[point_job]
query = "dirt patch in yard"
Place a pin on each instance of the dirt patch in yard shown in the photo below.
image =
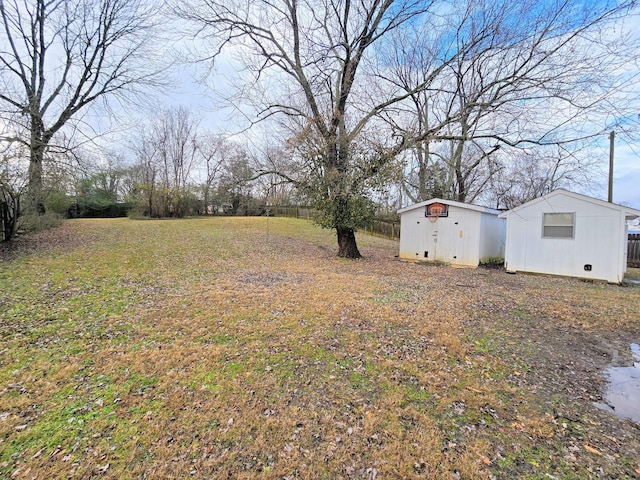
(62, 238)
(562, 349)
(556, 337)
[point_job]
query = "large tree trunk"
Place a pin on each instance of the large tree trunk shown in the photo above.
(36, 197)
(461, 195)
(206, 201)
(348, 248)
(422, 174)
(38, 142)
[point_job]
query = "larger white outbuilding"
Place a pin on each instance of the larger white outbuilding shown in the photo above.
(568, 234)
(451, 232)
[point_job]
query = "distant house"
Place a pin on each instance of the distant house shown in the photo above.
(451, 232)
(568, 234)
(220, 209)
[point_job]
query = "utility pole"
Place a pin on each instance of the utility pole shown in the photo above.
(612, 137)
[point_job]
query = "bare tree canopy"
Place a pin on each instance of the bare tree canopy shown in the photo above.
(546, 77)
(58, 57)
(476, 74)
(166, 156)
(315, 51)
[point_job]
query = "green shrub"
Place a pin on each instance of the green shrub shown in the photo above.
(57, 202)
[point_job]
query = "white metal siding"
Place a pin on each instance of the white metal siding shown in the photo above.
(492, 237)
(455, 239)
(625, 247)
(596, 242)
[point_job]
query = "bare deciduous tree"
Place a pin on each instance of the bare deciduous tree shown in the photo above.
(315, 51)
(58, 57)
(176, 135)
(144, 173)
(326, 65)
(215, 152)
(540, 70)
(12, 184)
(166, 154)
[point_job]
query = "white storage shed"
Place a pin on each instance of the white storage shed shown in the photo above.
(452, 232)
(568, 234)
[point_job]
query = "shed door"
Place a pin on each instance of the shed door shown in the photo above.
(445, 240)
(437, 240)
(421, 242)
(431, 241)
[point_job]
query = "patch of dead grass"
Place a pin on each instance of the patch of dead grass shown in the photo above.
(224, 347)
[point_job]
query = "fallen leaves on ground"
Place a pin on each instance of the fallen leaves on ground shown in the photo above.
(226, 347)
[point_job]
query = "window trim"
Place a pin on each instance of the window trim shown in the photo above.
(560, 237)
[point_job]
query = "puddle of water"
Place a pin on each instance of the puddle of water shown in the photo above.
(623, 393)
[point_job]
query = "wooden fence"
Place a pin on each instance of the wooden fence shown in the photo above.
(292, 211)
(379, 228)
(384, 228)
(633, 250)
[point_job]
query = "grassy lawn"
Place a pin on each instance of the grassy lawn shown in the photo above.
(244, 348)
(632, 274)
